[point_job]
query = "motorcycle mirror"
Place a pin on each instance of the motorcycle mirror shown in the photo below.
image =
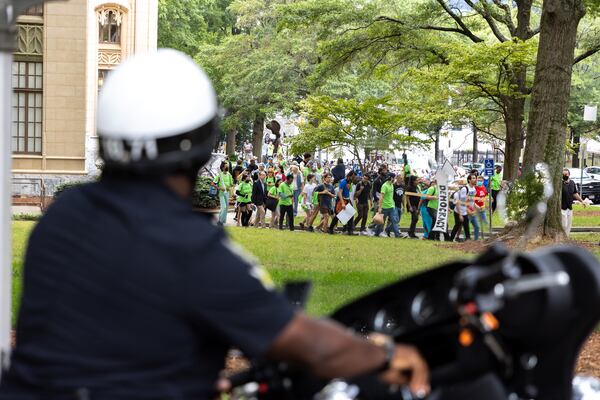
(297, 292)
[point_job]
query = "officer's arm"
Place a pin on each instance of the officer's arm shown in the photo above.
(330, 351)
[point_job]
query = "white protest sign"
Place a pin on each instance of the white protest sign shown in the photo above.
(346, 214)
(442, 176)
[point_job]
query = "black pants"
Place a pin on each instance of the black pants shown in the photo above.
(457, 225)
(435, 235)
(414, 218)
(289, 210)
(349, 227)
(363, 215)
(246, 214)
(494, 202)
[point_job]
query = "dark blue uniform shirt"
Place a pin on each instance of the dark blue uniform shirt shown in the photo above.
(130, 295)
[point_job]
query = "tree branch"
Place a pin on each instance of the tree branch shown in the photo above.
(586, 54)
(532, 33)
(485, 13)
(465, 30)
(508, 21)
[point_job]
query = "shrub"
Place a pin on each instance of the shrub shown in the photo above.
(65, 186)
(523, 194)
(26, 217)
(200, 197)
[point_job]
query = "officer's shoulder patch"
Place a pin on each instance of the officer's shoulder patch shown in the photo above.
(255, 269)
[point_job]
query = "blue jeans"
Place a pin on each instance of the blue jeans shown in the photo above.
(296, 195)
(392, 214)
(224, 203)
(484, 221)
(388, 228)
(474, 219)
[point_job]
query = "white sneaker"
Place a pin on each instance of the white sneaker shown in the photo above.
(383, 234)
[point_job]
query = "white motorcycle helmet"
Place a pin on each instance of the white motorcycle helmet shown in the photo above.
(157, 114)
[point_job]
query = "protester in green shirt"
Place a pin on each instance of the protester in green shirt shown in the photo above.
(496, 185)
(388, 207)
(224, 182)
(271, 179)
(244, 198)
(286, 197)
(407, 172)
(272, 203)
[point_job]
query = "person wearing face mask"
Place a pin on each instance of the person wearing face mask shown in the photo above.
(569, 192)
(224, 182)
(244, 193)
(480, 195)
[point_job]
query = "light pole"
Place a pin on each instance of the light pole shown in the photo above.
(9, 11)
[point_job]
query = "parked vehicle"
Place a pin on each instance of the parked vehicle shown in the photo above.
(471, 166)
(593, 171)
(588, 187)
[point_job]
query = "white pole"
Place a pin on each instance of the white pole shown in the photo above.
(5, 209)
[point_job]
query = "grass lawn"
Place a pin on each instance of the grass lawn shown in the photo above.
(584, 217)
(340, 267)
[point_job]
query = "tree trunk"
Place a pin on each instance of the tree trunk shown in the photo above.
(230, 147)
(547, 128)
(515, 106)
(258, 127)
(514, 137)
(475, 149)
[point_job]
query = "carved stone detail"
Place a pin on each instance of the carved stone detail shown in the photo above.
(30, 39)
(109, 57)
(105, 10)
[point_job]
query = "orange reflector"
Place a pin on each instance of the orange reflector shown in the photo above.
(490, 321)
(465, 338)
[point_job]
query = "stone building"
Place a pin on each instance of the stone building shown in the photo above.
(64, 52)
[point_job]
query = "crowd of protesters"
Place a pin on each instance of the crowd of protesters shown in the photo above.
(280, 188)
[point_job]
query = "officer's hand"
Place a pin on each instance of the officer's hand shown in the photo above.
(407, 359)
(223, 385)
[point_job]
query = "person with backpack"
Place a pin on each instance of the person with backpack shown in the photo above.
(412, 205)
(472, 207)
(326, 193)
(387, 207)
(461, 218)
(363, 194)
(343, 199)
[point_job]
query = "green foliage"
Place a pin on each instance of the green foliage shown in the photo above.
(65, 186)
(200, 197)
(26, 217)
(524, 193)
(363, 126)
(187, 25)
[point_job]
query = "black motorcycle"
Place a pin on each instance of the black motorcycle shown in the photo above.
(506, 326)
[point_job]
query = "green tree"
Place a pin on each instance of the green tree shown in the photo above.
(187, 25)
(263, 70)
(364, 127)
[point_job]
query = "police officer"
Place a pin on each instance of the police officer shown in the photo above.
(128, 294)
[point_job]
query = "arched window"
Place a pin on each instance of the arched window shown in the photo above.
(109, 25)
